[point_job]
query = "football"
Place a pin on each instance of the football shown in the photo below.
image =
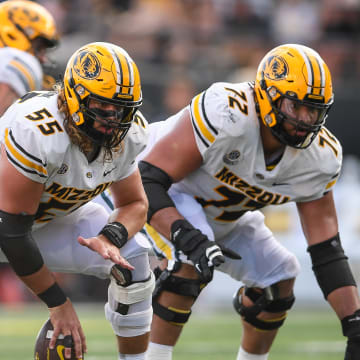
(42, 351)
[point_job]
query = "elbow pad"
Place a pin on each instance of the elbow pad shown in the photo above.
(156, 183)
(17, 243)
(330, 265)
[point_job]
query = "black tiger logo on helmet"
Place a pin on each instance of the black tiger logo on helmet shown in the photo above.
(276, 68)
(87, 65)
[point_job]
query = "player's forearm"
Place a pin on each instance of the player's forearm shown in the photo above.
(163, 219)
(39, 281)
(132, 216)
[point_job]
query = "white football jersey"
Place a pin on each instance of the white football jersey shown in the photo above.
(234, 178)
(37, 144)
(20, 70)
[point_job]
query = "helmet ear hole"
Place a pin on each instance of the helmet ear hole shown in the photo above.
(71, 79)
(263, 84)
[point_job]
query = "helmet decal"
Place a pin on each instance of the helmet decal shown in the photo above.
(19, 15)
(87, 65)
(276, 68)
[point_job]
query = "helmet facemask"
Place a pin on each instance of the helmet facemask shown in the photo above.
(297, 139)
(114, 123)
(40, 48)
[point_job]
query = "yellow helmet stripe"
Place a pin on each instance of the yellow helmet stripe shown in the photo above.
(15, 149)
(136, 89)
(30, 83)
(123, 71)
(315, 70)
(317, 74)
(309, 69)
(131, 76)
(162, 245)
(118, 67)
(199, 117)
(320, 64)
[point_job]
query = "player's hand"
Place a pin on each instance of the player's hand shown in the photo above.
(204, 254)
(66, 322)
(353, 348)
(205, 257)
(106, 249)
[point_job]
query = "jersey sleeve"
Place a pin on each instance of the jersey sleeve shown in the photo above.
(135, 143)
(220, 113)
(327, 156)
(208, 111)
(20, 70)
(25, 151)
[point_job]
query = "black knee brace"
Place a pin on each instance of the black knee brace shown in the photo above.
(268, 300)
(165, 280)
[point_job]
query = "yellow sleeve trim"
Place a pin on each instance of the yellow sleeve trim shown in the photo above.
(20, 157)
(25, 72)
(160, 243)
(200, 122)
(330, 184)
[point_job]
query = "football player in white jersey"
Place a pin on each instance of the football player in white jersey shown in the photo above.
(208, 169)
(27, 30)
(60, 149)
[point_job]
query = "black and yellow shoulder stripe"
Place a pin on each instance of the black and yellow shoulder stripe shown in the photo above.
(202, 125)
(21, 158)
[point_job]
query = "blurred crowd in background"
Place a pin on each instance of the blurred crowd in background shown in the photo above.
(182, 46)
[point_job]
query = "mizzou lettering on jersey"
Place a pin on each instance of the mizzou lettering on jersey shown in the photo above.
(253, 192)
(65, 199)
(249, 197)
(73, 194)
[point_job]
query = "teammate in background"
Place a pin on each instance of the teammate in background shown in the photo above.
(27, 30)
(60, 149)
(209, 169)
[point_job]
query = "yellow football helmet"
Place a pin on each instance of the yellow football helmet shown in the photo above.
(298, 73)
(23, 22)
(105, 73)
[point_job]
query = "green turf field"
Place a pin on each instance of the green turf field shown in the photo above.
(308, 334)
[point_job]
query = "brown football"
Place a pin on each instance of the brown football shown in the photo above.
(42, 351)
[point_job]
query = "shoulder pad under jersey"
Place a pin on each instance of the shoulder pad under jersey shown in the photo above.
(222, 110)
(20, 70)
(33, 134)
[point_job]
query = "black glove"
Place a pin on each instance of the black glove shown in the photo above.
(205, 254)
(229, 253)
(351, 329)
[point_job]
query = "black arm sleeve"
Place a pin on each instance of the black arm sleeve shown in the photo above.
(17, 243)
(156, 183)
